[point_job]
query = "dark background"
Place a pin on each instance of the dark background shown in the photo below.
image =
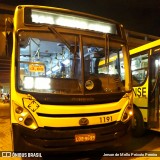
(136, 15)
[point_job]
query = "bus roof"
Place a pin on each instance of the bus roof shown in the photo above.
(145, 47)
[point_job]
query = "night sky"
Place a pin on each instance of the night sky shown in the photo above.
(136, 15)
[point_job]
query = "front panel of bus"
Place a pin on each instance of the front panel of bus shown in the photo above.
(70, 87)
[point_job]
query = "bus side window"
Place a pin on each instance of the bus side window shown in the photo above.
(139, 66)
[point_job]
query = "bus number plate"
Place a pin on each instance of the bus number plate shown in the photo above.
(85, 137)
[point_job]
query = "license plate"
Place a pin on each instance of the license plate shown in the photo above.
(85, 137)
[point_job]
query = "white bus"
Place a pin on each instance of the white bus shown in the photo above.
(145, 65)
(61, 100)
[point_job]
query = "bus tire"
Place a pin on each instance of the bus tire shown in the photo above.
(138, 128)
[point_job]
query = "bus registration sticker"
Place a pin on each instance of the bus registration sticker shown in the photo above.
(36, 68)
(85, 137)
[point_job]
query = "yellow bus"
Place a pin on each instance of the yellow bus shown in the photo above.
(61, 100)
(145, 65)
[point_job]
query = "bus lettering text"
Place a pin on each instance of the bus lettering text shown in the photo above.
(140, 92)
(105, 119)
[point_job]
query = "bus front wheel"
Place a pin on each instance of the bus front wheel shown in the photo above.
(138, 127)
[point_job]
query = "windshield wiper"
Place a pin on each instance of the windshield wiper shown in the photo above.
(107, 50)
(53, 30)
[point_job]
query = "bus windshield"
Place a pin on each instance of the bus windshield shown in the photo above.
(87, 66)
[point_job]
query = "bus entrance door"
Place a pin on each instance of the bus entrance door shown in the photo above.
(154, 94)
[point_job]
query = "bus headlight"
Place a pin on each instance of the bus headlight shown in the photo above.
(128, 112)
(24, 117)
(28, 121)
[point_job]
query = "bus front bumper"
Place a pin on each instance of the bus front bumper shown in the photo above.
(63, 139)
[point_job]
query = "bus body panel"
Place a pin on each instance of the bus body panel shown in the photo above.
(55, 116)
(140, 99)
(146, 95)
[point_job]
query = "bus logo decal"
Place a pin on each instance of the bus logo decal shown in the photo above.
(83, 122)
(33, 106)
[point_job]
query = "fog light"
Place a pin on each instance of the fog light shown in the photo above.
(19, 110)
(20, 119)
(28, 121)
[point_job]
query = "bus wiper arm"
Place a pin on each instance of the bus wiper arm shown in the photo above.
(107, 49)
(53, 30)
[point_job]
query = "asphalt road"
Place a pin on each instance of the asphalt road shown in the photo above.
(146, 147)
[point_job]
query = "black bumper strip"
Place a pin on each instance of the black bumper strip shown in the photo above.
(77, 115)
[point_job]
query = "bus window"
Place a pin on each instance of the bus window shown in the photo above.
(139, 66)
(113, 65)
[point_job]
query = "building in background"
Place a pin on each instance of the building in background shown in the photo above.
(6, 11)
